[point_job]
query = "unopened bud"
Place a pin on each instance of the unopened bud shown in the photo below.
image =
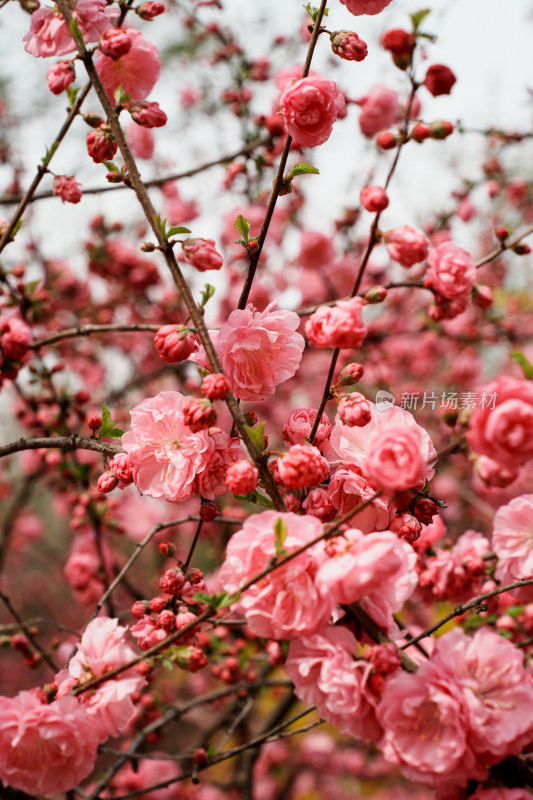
(440, 129)
(376, 294)
(386, 140)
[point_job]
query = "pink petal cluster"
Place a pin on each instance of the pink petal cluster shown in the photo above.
(374, 198)
(202, 254)
(241, 477)
(299, 424)
(348, 45)
(456, 574)
(174, 343)
(354, 409)
(348, 489)
(338, 326)
(60, 76)
(258, 350)
(147, 115)
(512, 540)
(49, 34)
(310, 106)
(451, 271)
(137, 71)
(378, 570)
(45, 748)
(316, 250)
(102, 648)
(466, 708)
(167, 457)
(504, 432)
(303, 466)
(407, 245)
(379, 110)
(325, 674)
(226, 451)
(67, 188)
(359, 7)
(286, 603)
(15, 339)
(396, 459)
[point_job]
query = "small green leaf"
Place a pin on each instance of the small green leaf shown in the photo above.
(266, 502)
(167, 664)
(45, 160)
(280, 532)
(257, 435)
(207, 293)
(76, 34)
(418, 17)
(243, 226)
(107, 428)
(121, 97)
(523, 362)
(161, 225)
(430, 36)
(302, 169)
(16, 229)
(111, 167)
(313, 11)
(216, 601)
(176, 230)
(72, 94)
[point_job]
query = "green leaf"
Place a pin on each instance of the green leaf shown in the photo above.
(16, 229)
(167, 664)
(243, 226)
(264, 501)
(216, 601)
(523, 362)
(176, 230)
(313, 11)
(74, 29)
(280, 532)
(161, 225)
(302, 169)
(121, 97)
(207, 293)
(257, 435)
(418, 17)
(107, 428)
(45, 160)
(430, 36)
(72, 94)
(110, 166)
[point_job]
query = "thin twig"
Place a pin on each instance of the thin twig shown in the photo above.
(67, 443)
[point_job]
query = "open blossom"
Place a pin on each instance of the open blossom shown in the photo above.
(456, 574)
(310, 106)
(396, 460)
(512, 539)
(377, 569)
(227, 450)
(451, 271)
(325, 674)
(166, 456)
(285, 604)
(348, 489)
(102, 648)
(359, 7)
(49, 34)
(45, 748)
(138, 70)
(303, 466)
(379, 110)
(258, 350)
(501, 427)
(202, 254)
(337, 326)
(407, 245)
(67, 188)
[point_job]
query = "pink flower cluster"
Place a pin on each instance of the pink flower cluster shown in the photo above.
(171, 461)
(49, 34)
(137, 70)
(338, 326)
(310, 107)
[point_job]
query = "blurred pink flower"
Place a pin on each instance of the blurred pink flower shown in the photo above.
(137, 71)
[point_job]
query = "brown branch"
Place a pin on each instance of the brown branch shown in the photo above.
(66, 443)
(29, 635)
(88, 330)
(503, 247)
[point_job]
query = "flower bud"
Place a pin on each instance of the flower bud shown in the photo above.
(439, 80)
(420, 132)
(374, 198)
(440, 129)
(60, 76)
(348, 45)
(215, 386)
(386, 140)
(147, 114)
(115, 42)
(150, 9)
(376, 294)
(208, 512)
(241, 477)
(351, 374)
(174, 343)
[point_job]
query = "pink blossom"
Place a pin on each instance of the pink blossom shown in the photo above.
(317, 504)
(359, 7)
(137, 71)
(227, 450)
(199, 414)
(141, 141)
(148, 633)
(67, 188)
(316, 250)
(147, 115)
(348, 489)
(284, 604)
(451, 272)
(396, 460)
(325, 674)
(174, 343)
(458, 573)
(348, 45)
(150, 9)
(106, 482)
(299, 424)
(101, 145)
(60, 76)
(406, 526)
(241, 477)
(494, 475)
(354, 409)
(49, 34)
(258, 350)
(338, 326)
(379, 110)
(303, 466)
(101, 649)
(45, 748)
(504, 432)
(166, 456)
(15, 339)
(512, 539)
(147, 772)
(407, 245)
(377, 569)
(215, 386)
(202, 254)
(310, 106)
(115, 43)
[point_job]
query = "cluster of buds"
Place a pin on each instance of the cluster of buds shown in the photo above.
(15, 340)
(67, 188)
(120, 473)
